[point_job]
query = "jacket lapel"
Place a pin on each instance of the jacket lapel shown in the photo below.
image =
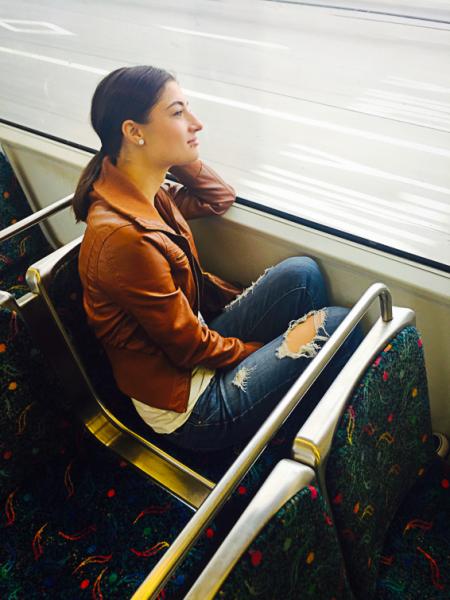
(126, 199)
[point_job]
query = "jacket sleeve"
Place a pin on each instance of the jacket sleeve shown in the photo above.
(201, 192)
(137, 276)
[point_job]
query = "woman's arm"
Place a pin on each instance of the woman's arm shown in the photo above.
(137, 276)
(201, 192)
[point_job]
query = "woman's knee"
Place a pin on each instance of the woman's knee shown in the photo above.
(300, 268)
(304, 336)
(335, 316)
(304, 272)
(300, 263)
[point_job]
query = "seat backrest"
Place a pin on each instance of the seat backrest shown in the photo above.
(65, 292)
(61, 329)
(381, 446)
(18, 252)
(284, 545)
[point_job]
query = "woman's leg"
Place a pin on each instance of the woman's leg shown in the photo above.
(285, 292)
(237, 401)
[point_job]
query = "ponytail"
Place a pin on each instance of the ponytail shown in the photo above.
(81, 200)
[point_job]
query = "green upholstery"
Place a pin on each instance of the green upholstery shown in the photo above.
(296, 555)
(381, 448)
(16, 254)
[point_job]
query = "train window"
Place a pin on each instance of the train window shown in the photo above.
(332, 113)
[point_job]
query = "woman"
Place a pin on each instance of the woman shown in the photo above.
(200, 372)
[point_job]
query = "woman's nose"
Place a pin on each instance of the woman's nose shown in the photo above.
(196, 125)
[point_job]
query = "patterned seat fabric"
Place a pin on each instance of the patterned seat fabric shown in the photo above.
(17, 253)
(296, 555)
(381, 447)
(416, 556)
(77, 522)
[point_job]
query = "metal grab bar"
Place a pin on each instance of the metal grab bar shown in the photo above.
(151, 586)
(35, 218)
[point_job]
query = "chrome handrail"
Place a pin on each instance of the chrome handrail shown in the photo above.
(152, 584)
(283, 483)
(35, 218)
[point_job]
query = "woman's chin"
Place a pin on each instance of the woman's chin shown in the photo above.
(192, 156)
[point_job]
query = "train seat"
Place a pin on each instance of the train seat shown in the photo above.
(78, 521)
(61, 328)
(284, 545)
(371, 444)
(17, 253)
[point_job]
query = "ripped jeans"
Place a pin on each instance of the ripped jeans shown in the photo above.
(239, 399)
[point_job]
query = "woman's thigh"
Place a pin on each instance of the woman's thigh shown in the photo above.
(238, 400)
(287, 291)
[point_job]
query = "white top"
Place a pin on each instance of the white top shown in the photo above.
(167, 421)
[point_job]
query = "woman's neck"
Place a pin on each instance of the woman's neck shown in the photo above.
(147, 179)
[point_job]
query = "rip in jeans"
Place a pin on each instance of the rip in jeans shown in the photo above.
(241, 377)
(310, 349)
(247, 290)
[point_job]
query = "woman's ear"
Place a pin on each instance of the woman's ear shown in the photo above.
(131, 132)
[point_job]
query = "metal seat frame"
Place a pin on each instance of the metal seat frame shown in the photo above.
(312, 444)
(166, 470)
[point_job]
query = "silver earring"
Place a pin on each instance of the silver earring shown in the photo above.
(141, 142)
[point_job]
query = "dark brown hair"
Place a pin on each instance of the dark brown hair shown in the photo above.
(126, 93)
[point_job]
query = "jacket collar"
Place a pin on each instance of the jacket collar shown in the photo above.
(125, 198)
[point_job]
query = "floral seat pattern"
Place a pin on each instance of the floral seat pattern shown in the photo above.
(296, 555)
(382, 446)
(17, 253)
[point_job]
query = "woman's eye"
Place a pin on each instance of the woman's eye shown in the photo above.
(178, 113)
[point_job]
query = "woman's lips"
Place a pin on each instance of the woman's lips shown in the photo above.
(193, 142)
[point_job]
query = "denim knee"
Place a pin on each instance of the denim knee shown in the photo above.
(335, 316)
(304, 272)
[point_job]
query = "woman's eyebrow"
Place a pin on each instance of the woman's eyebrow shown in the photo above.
(177, 102)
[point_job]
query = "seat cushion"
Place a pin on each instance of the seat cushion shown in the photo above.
(416, 556)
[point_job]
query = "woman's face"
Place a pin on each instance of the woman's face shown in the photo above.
(170, 136)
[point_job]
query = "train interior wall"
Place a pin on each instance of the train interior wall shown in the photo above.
(240, 245)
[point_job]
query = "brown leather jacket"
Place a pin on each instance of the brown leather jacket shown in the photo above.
(143, 283)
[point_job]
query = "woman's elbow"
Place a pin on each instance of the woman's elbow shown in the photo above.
(226, 201)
